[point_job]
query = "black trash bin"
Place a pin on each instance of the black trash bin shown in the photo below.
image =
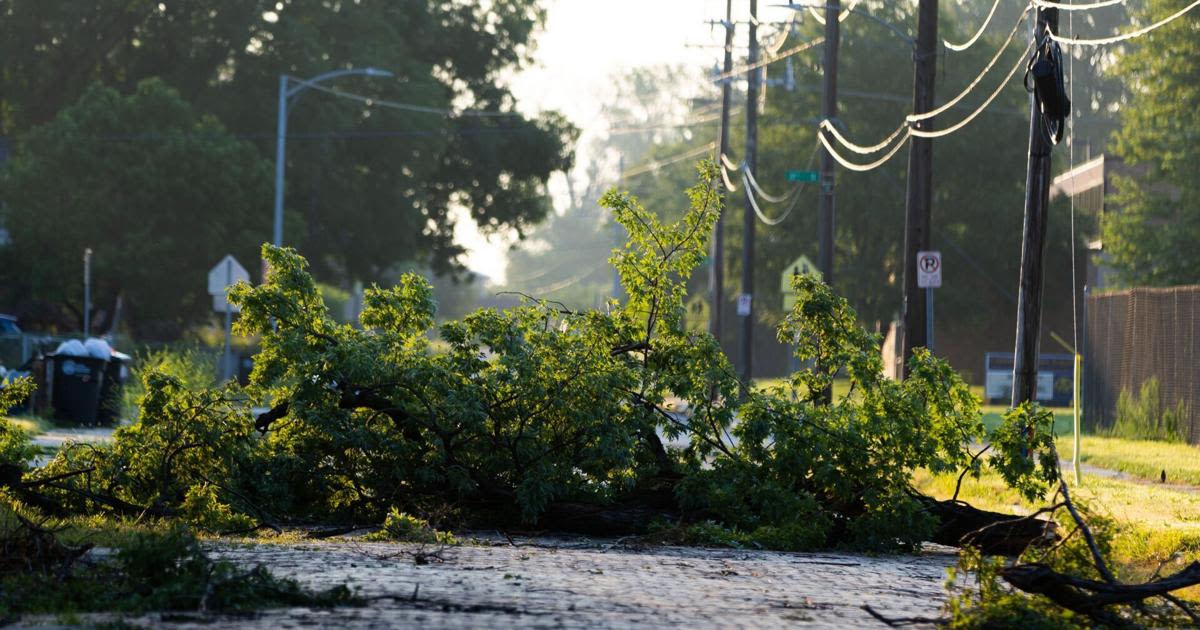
(75, 384)
(116, 373)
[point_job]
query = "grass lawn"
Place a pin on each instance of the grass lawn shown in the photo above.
(30, 424)
(841, 386)
(1139, 458)
(1155, 523)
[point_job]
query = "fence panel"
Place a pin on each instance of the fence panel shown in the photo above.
(1134, 335)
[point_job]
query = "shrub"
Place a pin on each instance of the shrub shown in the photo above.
(1143, 416)
(401, 527)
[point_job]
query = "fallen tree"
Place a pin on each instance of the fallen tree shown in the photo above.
(540, 417)
(543, 417)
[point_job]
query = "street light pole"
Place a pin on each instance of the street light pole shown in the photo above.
(280, 142)
(286, 92)
(87, 292)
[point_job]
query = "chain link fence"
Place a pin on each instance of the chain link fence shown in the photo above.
(1134, 335)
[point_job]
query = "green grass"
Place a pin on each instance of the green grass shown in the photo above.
(1156, 523)
(1144, 459)
(1063, 419)
(841, 386)
(30, 424)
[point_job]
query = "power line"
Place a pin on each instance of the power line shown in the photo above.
(982, 28)
(748, 177)
(1076, 7)
(841, 16)
(979, 77)
(1071, 41)
(964, 122)
(657, 164)
(408, 107)
(769, 60)
(758, 211)
(860, 168)
(906, 125)
(860, 149)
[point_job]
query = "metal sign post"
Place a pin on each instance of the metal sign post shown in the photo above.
(929, 277)
(227, 273)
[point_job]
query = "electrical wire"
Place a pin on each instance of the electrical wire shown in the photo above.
(841, 16)
(681, 125)
(979, 77)
(785, 29)
(769, 60)
(796, 193)
(861, 167)
(748, 177)
(979, 110)
(726, 166)
(913, 118)
(982, 28)
(729, 185)
(1076, 7)
(1071, 41)
(657, 164)
(857, 148)
(409, 107)
(758, 211)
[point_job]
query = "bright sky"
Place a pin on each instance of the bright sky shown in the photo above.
(585, 42)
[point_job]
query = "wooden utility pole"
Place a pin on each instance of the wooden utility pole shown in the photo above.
(746, 300)
(718, 255)
(1033, 239)
(919, 197)
(828, 112)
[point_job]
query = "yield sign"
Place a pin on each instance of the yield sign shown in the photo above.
(227, 273)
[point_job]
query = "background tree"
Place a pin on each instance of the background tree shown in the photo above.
(566, 258)
(158, 191)
(1151, 239)
(979, 177)
(368, 186)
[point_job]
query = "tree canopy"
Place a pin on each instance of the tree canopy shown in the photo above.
(1150, 238)
(367, 185)
(119, 174)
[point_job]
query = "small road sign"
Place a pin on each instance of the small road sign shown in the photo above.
(929, 270)
(803, 176)
(227, 273)
(743, 304)
(800, 266)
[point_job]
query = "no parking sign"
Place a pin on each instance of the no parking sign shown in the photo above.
(929, 270)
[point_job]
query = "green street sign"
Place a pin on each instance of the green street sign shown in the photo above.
(803, 176)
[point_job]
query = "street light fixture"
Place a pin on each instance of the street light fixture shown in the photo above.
(288, 91)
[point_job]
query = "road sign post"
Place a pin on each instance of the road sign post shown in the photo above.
(929, 277)
(224, 275)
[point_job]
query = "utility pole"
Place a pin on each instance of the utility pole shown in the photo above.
(746, 300)
(828, 112)
(718, 255)
(87, 292)
(919, 196)
(1033, 239)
